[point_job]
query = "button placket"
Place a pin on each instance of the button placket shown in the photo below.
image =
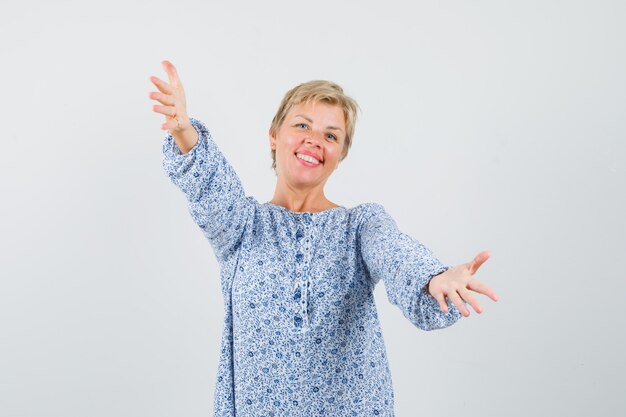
(304, 239)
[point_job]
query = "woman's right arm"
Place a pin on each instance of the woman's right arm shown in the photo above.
(215, 196)
(194, 163)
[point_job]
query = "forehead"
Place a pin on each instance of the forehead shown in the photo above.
(319, 112)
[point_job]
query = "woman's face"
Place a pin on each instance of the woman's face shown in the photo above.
(310, 130)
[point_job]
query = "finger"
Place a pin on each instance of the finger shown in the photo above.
(170, 124)
(482, 288)
(162, 98)
(441, 299)
(171, 73)
(458, 302)
(166, 110)
(478, 261)
(468, 297)
(162, 85)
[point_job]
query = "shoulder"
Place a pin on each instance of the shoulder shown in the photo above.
(370, 209)
(368, 212)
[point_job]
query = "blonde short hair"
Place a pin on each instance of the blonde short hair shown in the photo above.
(318, 91)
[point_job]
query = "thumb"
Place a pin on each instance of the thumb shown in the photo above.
(478, 261)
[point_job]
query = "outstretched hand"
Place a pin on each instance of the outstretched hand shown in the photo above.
(172, 96)
(456, 284)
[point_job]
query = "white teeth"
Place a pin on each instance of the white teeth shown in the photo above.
(308, 158)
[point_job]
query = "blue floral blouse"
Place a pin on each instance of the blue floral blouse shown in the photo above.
(301, 334)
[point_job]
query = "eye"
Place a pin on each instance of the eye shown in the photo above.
(331, 136)
(302, 124)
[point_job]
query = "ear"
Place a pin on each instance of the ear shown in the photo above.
(272, 139)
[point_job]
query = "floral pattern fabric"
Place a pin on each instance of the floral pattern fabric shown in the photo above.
(301, 335)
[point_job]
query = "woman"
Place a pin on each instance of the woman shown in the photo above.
(301, 335)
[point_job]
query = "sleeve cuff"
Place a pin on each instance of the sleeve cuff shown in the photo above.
(171, 149)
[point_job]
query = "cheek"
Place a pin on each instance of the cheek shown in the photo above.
(333, 153)
(290, 143)
(286, 151)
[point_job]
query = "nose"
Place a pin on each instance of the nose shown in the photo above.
(314, 138)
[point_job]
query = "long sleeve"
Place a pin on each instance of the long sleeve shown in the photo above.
(215, 196)
(405, 266)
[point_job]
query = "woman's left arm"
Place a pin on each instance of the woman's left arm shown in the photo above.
(415, 280)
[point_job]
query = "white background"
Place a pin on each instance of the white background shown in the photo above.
(485, 125)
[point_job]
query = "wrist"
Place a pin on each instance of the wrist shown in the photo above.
(186, 138)
(430, 281)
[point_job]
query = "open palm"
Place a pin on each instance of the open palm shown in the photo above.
(457, 283)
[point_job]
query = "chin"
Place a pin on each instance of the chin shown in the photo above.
(306, 180)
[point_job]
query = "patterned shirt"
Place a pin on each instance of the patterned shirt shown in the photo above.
(301, 334)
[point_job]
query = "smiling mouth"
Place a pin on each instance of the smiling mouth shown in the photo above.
(308, 159)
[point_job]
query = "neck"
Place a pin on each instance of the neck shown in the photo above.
(300, 200)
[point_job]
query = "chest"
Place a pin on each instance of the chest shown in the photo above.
(291, 276)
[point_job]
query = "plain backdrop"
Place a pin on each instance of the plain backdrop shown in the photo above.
(485, 125)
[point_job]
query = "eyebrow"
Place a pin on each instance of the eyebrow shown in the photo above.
(311, 121)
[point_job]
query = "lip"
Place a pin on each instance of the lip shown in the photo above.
(306, 163)
(311, 154)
